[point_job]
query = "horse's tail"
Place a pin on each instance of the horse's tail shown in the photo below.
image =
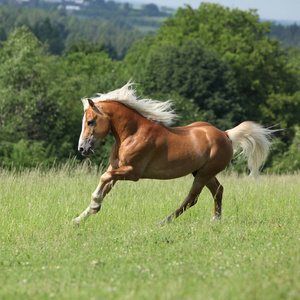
(255, 141)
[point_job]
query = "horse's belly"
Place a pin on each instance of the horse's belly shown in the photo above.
(166, 168)
(164, 174)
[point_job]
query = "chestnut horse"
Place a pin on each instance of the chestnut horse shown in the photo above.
(145, 147)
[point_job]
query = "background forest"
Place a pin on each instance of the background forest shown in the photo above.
(219, 65)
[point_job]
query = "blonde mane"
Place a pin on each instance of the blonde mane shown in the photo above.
(156, 111)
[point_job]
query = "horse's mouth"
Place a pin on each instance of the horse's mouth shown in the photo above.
(87, 152)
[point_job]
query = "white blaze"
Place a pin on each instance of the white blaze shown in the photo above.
(82, 129)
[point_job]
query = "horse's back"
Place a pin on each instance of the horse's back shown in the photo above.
(183, 130)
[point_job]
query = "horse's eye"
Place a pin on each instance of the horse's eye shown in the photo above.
(90, 123)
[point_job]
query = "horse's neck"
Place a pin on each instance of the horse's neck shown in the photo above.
(124, 120)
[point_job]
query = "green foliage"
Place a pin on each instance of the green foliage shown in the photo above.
(85, 47)
(151, 10)
(288, 161)
(191, 71)
(259, 65)
(125, 14)
(93, 72)
(29, 106)
(288, 35)
(283, 109)
(39, 104)
(218, 65)
(47, 33)
(3, 35)
(60, 30)
(23, 86)
(26, 154)
(293, 59)
(117, 37)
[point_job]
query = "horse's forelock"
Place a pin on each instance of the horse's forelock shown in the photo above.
(85, 103)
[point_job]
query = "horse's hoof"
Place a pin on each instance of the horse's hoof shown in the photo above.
(216, 219)
(75, 222)
(162, 223)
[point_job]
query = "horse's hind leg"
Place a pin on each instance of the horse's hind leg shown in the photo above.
(190, 200)
(216, 190)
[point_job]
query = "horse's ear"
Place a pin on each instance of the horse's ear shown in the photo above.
(91, 103)
(94, 107)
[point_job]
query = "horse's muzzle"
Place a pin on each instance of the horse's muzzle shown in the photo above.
(86, 147)
(86, 152)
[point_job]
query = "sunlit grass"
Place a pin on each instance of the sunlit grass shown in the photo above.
(120, 253)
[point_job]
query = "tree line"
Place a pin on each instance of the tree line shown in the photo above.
(288, 35)
(59, 30)
(218, 65)
(146, 17)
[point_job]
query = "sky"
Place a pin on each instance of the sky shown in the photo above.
(267, 9)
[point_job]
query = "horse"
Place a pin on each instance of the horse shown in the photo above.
(147, 147)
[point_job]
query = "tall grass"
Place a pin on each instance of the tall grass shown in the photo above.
(120, 253)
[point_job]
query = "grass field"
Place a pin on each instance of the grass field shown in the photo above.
(120, 253)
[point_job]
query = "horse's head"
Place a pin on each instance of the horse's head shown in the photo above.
(95, 127)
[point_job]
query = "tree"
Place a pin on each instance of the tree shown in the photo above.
(28, 106)
(49, 34)
(287, 35)
(151, 10)
(259, 65)
(111, 5)
(3, 36)
(287, 160)
(59, 29)
(193, 72)
(85, 47)
(284, 108)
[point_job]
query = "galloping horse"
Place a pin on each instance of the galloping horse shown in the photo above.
(145, 147)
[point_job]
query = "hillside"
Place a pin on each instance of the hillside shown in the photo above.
(146, 18)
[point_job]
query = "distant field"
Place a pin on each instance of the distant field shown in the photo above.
(253, 253)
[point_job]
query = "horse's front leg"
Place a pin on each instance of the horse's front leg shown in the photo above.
(107, 180)
(103, 188)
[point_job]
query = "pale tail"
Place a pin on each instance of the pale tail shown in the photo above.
(255, 141)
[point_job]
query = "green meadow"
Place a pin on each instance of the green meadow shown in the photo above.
(120, 253)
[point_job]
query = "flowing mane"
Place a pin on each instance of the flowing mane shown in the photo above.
(156, 111)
